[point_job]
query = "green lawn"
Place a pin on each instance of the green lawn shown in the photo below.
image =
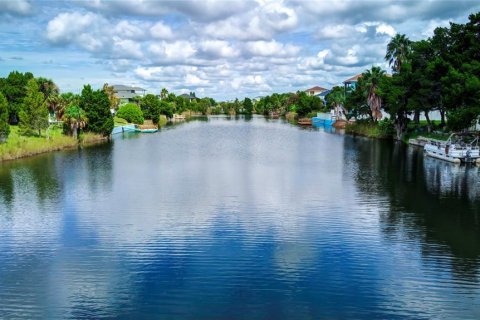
(18, 146)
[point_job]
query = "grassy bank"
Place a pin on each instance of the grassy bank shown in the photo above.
(381, 130)
(18, 146)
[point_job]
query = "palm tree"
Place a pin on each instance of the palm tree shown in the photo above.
(371, 79)
(336, 98)
(75, 118)
(163, 93)
(398, 50)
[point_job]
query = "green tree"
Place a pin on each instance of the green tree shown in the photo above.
(34, 112)
(150, 106)
(336, 99)
(14, 90)
(131, 112)
(372, 79)
(47, 87)
(398, 50)
(4, 127)
(97, 108)
(74, 120)
(248, 106)
(164, 93)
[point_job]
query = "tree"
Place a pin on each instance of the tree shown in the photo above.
(372, 79)
(336, 99)
(247, 106)
(34, 113)
(150, 106)
(97, 108)
(4, 127)
(131, 112)
(13, 89)
(47, 87)
(398, 50)
(112, 96)
(74, 119)
(163, 93)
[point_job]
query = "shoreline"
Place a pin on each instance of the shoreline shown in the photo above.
(53, 145)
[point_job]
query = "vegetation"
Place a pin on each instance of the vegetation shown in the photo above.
(97, 109)
(34, 113)
(74, 119)
(300, 103)
(132, 113)
(19, 146)
(441, 73)
(4, 127)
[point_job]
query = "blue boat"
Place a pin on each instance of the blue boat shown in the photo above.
(323, 119)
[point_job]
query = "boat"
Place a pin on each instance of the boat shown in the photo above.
(305, 122)
(146, 127)
(458, 148)
(323, 119)
(146, 130)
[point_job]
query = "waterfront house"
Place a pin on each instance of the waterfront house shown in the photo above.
(315, 91)
(127, 94)
(351, 83)
(190, 97)
(323, 94)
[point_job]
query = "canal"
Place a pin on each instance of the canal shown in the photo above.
(239, 219)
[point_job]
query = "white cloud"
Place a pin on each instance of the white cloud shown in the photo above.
(218, 49)
(271, 49)
(177, 51)
(161, 31)
(16, 7)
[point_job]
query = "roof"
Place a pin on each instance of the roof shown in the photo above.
(121, 87)
(354, 78)
(323, 94)
(187, 96)
(316, 88)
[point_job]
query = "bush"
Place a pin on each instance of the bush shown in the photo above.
(131, 112)
(386, 128)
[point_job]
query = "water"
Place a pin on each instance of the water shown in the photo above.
(236, 219)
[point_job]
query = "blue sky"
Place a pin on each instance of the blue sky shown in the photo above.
(223, 49)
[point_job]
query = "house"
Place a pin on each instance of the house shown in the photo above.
(127, 94)
(190, 97)
(351, 83)
(323, 94)
(315, 91)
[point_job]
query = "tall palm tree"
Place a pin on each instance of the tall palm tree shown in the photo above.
(398, 50)
(163, 93)
(371, 79)
(336, 98)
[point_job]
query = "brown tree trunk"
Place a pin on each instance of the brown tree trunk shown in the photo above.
(416, 117)
(429, 123)
(442, 118)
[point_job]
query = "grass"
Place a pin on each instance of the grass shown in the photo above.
(367, 129)
(18, 146)
(118, 122)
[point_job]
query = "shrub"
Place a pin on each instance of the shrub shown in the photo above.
(131, 112)
(386, 128)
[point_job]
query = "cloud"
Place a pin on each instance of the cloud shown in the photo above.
(207, 10)
(161, 31)
(271, 49)
(16, 7)
(259, 23)
(168, 52)
(218, 49)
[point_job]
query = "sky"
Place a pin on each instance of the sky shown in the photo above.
(221, 49)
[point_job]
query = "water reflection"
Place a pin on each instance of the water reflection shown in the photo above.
(435, 203)
(236, 219)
